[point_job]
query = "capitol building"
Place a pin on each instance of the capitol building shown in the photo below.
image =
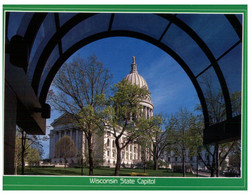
(104, 149)
(104, 146)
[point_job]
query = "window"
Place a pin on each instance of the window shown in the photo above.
(108, 142)
(169, 159)
(108, 153)
(113, 143)
(131, 148)
(148, 115)
(134, 117)
(135, 149)
(130, 156)
(176, 159)
(127, 156)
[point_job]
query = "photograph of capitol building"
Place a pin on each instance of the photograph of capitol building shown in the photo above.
(104, 145)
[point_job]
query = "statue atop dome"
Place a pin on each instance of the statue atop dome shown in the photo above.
(133, 77)
(134, 66)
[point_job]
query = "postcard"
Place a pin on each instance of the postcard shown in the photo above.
(125, 97)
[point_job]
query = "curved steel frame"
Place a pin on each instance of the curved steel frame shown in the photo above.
(51, 44)
(106, 34)
(60, 32)
(209, 55)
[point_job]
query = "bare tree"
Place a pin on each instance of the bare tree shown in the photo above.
(156, 139)
(65, 148)
(79, 89)
(217, 113)
(24, 143)
(182, 129)
(33, 157)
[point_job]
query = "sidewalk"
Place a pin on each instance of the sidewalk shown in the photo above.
(204, 174)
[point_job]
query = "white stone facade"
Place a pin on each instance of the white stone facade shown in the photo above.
(104, 146)
(58, 132)
(130, 155)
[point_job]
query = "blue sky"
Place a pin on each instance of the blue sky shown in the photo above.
(169, 85)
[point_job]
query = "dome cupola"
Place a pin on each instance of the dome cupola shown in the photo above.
(134, 78)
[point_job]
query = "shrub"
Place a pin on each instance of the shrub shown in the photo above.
(149, 164)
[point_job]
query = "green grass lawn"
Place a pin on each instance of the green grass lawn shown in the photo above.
(99, 172)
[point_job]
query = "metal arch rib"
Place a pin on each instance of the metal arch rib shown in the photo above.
(147, 38)
(209, 55)
(33, 27)
(235, 23)
(51, 44)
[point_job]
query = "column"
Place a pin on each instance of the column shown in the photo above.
(145, 112)
(58, 136)
(52, 137)
(80, 139)
(10, 114)
(148, 112)
(83, 144)
(139, 152)
(76, 139)
(71, 133)
(53, 143)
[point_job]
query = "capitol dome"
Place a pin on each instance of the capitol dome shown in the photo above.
(136, 79)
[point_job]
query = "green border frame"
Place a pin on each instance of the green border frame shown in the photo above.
(83, 183)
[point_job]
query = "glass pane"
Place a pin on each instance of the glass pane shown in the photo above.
(49, 63)
(95, 24)
(231, 66)
(210, 86)
(149, 24)
(64, 17)
(46, 31)
(186, 48)
(214, 29)
(239, 16)
(24, 23)
(15, 19)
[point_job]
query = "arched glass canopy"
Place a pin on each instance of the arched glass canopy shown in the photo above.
(204, 45)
